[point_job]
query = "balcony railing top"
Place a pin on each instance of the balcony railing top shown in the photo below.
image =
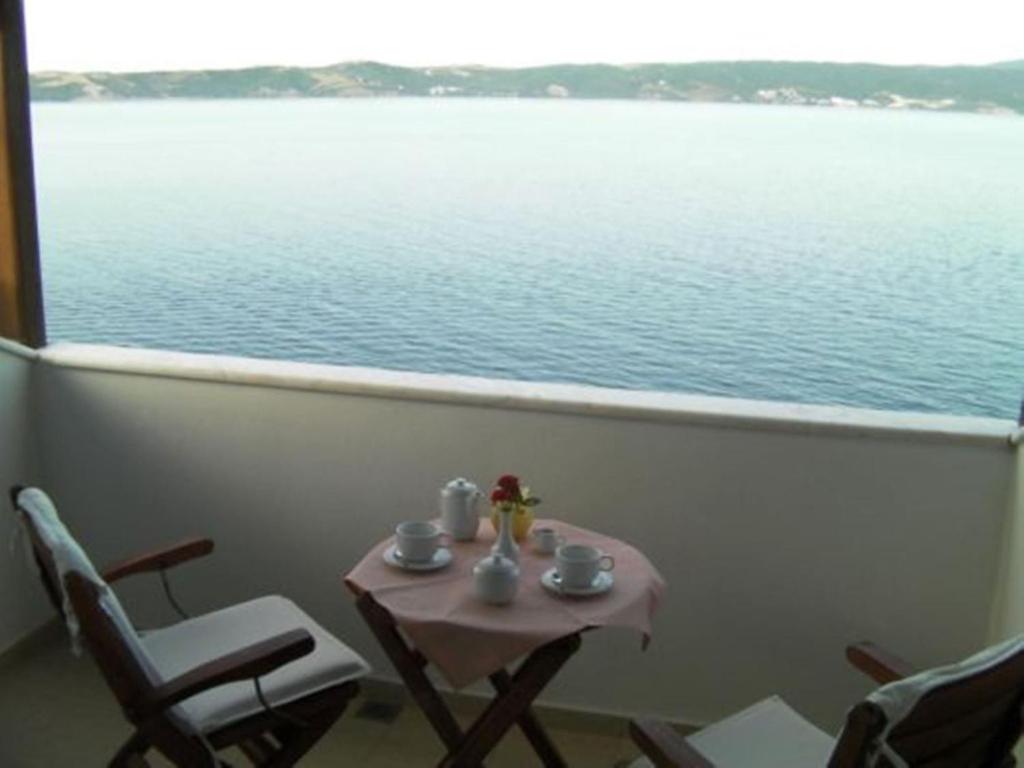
(664, 407)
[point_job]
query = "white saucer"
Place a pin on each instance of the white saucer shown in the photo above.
(601, 584)
(441, 558)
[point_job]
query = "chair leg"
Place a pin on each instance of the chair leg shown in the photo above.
(259, 749)
(132, 753)
(296, 742)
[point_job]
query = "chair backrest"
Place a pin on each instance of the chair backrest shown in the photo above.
(966, 715)
(86, 601)
(41, 537)
(90, 607)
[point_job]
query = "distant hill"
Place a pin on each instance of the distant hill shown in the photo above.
(996, 88)
(1018, 64)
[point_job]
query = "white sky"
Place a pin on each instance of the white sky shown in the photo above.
(193, 34)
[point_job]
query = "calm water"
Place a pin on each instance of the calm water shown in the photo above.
(820, 256)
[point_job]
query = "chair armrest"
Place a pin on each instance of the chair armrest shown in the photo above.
(160, 559)
(878, 664)
(246, 663)
(664, 746)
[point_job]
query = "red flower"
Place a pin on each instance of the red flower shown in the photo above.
(508, 491)
(509, 483)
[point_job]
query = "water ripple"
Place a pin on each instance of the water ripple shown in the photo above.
(872, 259)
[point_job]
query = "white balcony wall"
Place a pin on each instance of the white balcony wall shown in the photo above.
(784, 532)
(23, 604)
(1008, 616)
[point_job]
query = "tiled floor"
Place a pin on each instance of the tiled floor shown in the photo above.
(56, 711)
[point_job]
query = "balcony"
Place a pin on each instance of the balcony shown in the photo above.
(784, 531)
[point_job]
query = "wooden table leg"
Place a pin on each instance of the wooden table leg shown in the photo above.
(531, 727)
(509, 707)
(407, 664)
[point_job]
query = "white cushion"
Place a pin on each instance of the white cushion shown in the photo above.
(38, 506)
(66, 554)
(112, 606)
(192, 642)
(69, 556)
(769, 734)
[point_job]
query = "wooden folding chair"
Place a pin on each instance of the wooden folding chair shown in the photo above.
(962, 716)
(261, 675)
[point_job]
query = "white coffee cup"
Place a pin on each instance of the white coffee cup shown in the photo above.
(417, 541)
(546, 540)
(579, 564)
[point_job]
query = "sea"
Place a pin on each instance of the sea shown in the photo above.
(858, 257)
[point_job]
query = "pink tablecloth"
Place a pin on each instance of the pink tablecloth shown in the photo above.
(467, 639)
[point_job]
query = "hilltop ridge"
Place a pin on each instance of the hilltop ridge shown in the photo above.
(995, 88)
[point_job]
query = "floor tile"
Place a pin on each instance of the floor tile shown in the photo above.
(57, 711)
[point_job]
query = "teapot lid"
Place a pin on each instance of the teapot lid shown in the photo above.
(460, 486)
(497, 563)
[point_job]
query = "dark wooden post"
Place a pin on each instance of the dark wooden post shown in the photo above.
(21, 299)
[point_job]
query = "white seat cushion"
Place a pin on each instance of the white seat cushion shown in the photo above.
(179, 648)
(769, 734)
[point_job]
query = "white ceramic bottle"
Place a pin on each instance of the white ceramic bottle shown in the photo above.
(505, 545)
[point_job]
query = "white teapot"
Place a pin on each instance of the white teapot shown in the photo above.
(459, 515)
(496, 579)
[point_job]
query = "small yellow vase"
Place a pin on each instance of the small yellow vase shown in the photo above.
(522, 519)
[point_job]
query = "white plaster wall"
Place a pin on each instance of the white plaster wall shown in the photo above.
(23, 605)
(1008, 616)
(780, 544)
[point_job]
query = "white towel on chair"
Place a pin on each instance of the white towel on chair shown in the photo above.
(67, 554)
